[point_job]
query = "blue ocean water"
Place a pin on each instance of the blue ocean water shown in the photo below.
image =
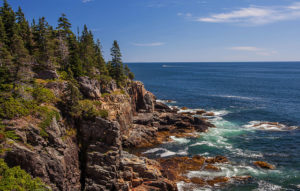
(242, 95)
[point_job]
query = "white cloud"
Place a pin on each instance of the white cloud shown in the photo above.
(255, 15)
(246, 48)
(187, 15)
(86, 1)
(149, 44)
(256, 50)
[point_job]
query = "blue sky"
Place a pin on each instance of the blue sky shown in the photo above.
(183, 30)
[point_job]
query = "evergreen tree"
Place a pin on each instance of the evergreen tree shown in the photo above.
(3, 37)
(100, 63)
(64, 26)
(24, 30)
(87, 51)
(8, 19)
(126, 70)
(75, 64)
(42, 35)
(116, 63)
(5, 65)
(21, 70)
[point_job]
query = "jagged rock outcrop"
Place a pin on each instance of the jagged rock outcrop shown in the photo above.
(53, 158)
(90, 88)
(110, 87)
(101, 147)
(142, 100)
(93, 159)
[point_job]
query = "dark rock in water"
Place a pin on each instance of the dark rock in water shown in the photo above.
(162, 107)
(217, 159)
(90, 88)
(264, 165)
(200, 112)
(211, 167)
(46, 74)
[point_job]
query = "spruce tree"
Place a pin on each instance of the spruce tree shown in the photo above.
(87, 51)
(3, 37)
(64, 26)
(75, 63)
(23, 30)
(116, 63)
(8, 19)
(100, 63)
(21, 61)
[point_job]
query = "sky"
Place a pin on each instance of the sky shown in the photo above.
(183, 30)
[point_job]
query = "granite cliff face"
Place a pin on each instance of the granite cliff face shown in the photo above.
(88, 154)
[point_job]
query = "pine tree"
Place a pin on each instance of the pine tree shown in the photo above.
(21, 59)
(64, 26)
(24, 30)
(117, 65)
(100, 63)
(5, 65)
(3, 37)
(42, 36)
(75, 63)
(8, 19)
(87, 51)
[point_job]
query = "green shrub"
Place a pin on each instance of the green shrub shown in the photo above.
(88, 109)
(47, 115)
(11, 108)
(103, 113)
(18, 180)
(43, 95)
(105, 94)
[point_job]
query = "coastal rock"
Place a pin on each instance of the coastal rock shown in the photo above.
(141, 98)
(46, 74)
(217, 159)
(109, 87)
(90, 88)
(217, 180)
(148, 172)
(264, 165)
(162, 107)
(210, 167)
(101, 152)
(200, 112)
(143, 118)
(53, 158)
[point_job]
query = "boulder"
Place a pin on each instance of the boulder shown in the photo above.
(90, 88)
(110, 87)
(143, 118)
(264, 165)
(162, 107)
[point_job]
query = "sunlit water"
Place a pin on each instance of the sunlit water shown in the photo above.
(241, 95)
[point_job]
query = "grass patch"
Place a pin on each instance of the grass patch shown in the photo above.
(17, 179)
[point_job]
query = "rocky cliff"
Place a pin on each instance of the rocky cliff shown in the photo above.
(87, 153)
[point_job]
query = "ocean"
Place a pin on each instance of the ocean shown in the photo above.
(243, 96)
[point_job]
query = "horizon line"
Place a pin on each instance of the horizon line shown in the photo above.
(210, 61)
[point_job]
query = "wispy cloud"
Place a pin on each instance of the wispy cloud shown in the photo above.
(255, 15)
(256, 50)
(149, 44)
(86, 1)
(245, 48)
